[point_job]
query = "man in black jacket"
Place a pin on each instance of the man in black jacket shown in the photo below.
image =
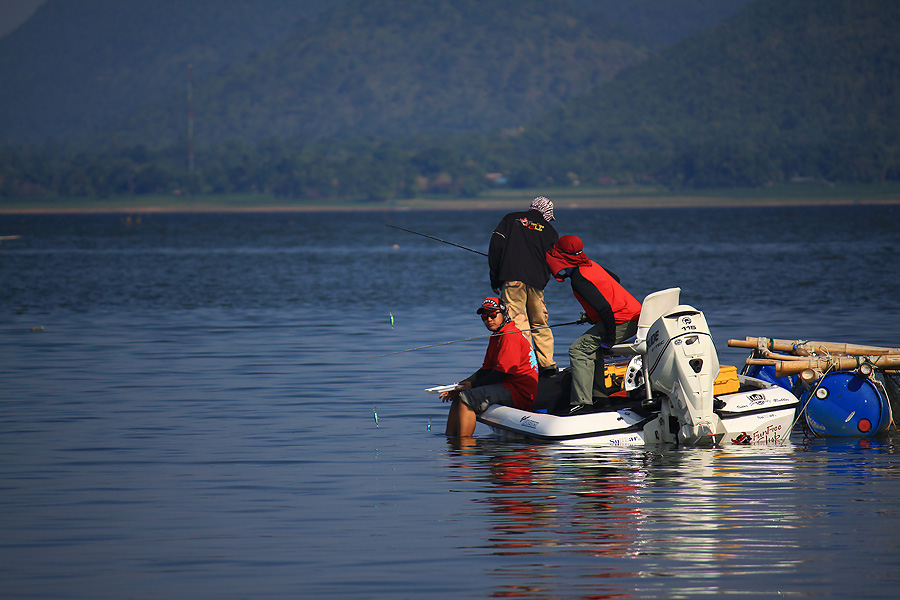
(519, 272)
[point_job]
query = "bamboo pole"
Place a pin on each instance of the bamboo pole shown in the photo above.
(776, 356)
(763, 362)
(811, 346)
(810, 376)
(841, 363)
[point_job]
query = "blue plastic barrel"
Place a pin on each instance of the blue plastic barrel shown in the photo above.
(845, 403)
(767, 373)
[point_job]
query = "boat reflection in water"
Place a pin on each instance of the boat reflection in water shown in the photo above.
(625, 522)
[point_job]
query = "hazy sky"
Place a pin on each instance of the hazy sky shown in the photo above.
(14, 12)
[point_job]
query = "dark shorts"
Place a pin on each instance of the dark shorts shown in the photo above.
(479, 398)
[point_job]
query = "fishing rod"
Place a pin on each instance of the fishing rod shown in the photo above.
(479, 337)
(431, 237)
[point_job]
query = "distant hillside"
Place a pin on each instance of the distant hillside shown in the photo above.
(13, 14)
(786, 88)
(75, 65)
(384, 99)
(659, 23)
(396, 68)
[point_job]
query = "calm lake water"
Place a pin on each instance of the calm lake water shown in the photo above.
(187, 410)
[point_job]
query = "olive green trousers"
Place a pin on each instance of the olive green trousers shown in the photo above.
(586, 362)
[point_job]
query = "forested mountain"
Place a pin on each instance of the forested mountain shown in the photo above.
(393, 67)
(659, 23)
(397, 69)
(77, 63)
(786, 88)
(341, 105)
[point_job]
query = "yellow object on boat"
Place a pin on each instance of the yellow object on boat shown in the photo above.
(726, 382)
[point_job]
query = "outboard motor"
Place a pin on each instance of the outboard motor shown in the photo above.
(679, 360)
(683, 365)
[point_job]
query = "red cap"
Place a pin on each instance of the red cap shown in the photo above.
(568, 252)
(570, 244)
(491, 304)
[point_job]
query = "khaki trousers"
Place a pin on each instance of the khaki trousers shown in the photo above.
(526, 307)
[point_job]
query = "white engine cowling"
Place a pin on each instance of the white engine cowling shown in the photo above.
(683, 364)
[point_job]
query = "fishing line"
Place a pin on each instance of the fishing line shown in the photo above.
(479, 337)
(395, 246)
(431, 237)
(812, 392)
(391, 268)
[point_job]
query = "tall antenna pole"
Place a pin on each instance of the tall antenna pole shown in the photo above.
(190, 118)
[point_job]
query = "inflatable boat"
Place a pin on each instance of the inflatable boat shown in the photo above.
(669, 393)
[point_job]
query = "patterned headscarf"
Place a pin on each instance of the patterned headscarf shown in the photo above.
(544, 206)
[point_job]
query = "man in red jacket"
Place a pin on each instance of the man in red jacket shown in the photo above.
(508, 375)
(608, 306)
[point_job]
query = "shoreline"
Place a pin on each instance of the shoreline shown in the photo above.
(505, 200)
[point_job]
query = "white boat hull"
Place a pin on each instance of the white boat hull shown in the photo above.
(761, 413)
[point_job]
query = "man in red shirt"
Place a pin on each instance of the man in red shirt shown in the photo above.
(508, 375)
(608, 306)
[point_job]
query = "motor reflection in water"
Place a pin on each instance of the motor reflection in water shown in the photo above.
(626, 522)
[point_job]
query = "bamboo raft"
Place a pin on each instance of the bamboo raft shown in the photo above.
(849, 399)
(796, 357)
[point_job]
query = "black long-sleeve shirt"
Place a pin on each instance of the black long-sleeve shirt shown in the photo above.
(518, 249)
